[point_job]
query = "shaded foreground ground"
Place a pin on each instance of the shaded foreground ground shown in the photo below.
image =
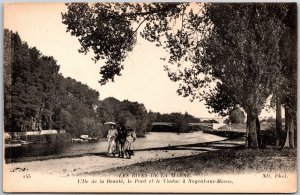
(225, 161)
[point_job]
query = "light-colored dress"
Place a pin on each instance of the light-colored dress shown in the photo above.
(131, 137)
(111, 136)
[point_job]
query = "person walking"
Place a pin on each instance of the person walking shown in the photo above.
(130, 138)
(112, 136)
(121, 139)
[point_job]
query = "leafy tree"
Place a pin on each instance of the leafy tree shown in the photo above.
(286, 84)
(237, 116)
(108, 109)
(288, 79)
(25, 97)
(234, 45)
(30, 84)
(7, 77)
(221, 100)
(77, 108)
(226, 121)
(242, 53)
(131, 114)
(110, 29)
(37, 97)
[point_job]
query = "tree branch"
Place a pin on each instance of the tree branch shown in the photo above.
(164, 9)
(140, 24)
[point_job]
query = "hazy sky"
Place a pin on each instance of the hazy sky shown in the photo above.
(143, 79)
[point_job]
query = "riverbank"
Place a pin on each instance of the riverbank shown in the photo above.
(96, 163)
(154, 140)
(90, 163)
(206, 158)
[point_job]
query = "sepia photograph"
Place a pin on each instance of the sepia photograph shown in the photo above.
(165, 97)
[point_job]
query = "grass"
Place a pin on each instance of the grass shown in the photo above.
(222, 161)
(226, 133)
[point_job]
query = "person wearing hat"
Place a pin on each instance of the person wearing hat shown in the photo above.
(112, 136)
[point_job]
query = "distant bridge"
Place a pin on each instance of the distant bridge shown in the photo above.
(169, 125)
(162, 123)
(219, 120)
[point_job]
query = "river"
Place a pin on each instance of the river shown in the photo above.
(152, 140)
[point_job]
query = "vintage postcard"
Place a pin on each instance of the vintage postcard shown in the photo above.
(150, 97)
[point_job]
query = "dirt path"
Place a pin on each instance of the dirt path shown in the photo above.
(100, 162)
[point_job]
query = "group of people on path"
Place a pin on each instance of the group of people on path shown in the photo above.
(120, 141)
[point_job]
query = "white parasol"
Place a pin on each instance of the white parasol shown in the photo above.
(110, 123)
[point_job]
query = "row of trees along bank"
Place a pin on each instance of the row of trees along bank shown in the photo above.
(38, 97)
(247, 51)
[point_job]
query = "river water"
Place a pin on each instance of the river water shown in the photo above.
(152, 140)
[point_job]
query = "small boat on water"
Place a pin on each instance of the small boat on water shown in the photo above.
(12, 145)
(16, 143)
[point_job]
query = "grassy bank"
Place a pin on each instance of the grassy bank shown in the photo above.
(217, 162)
(226, 133)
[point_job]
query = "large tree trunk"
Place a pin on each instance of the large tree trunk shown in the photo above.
(259, 138)
(278, 120)
(290, 129)
(252, 138)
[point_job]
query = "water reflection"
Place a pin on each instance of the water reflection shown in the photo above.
(152, 140)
